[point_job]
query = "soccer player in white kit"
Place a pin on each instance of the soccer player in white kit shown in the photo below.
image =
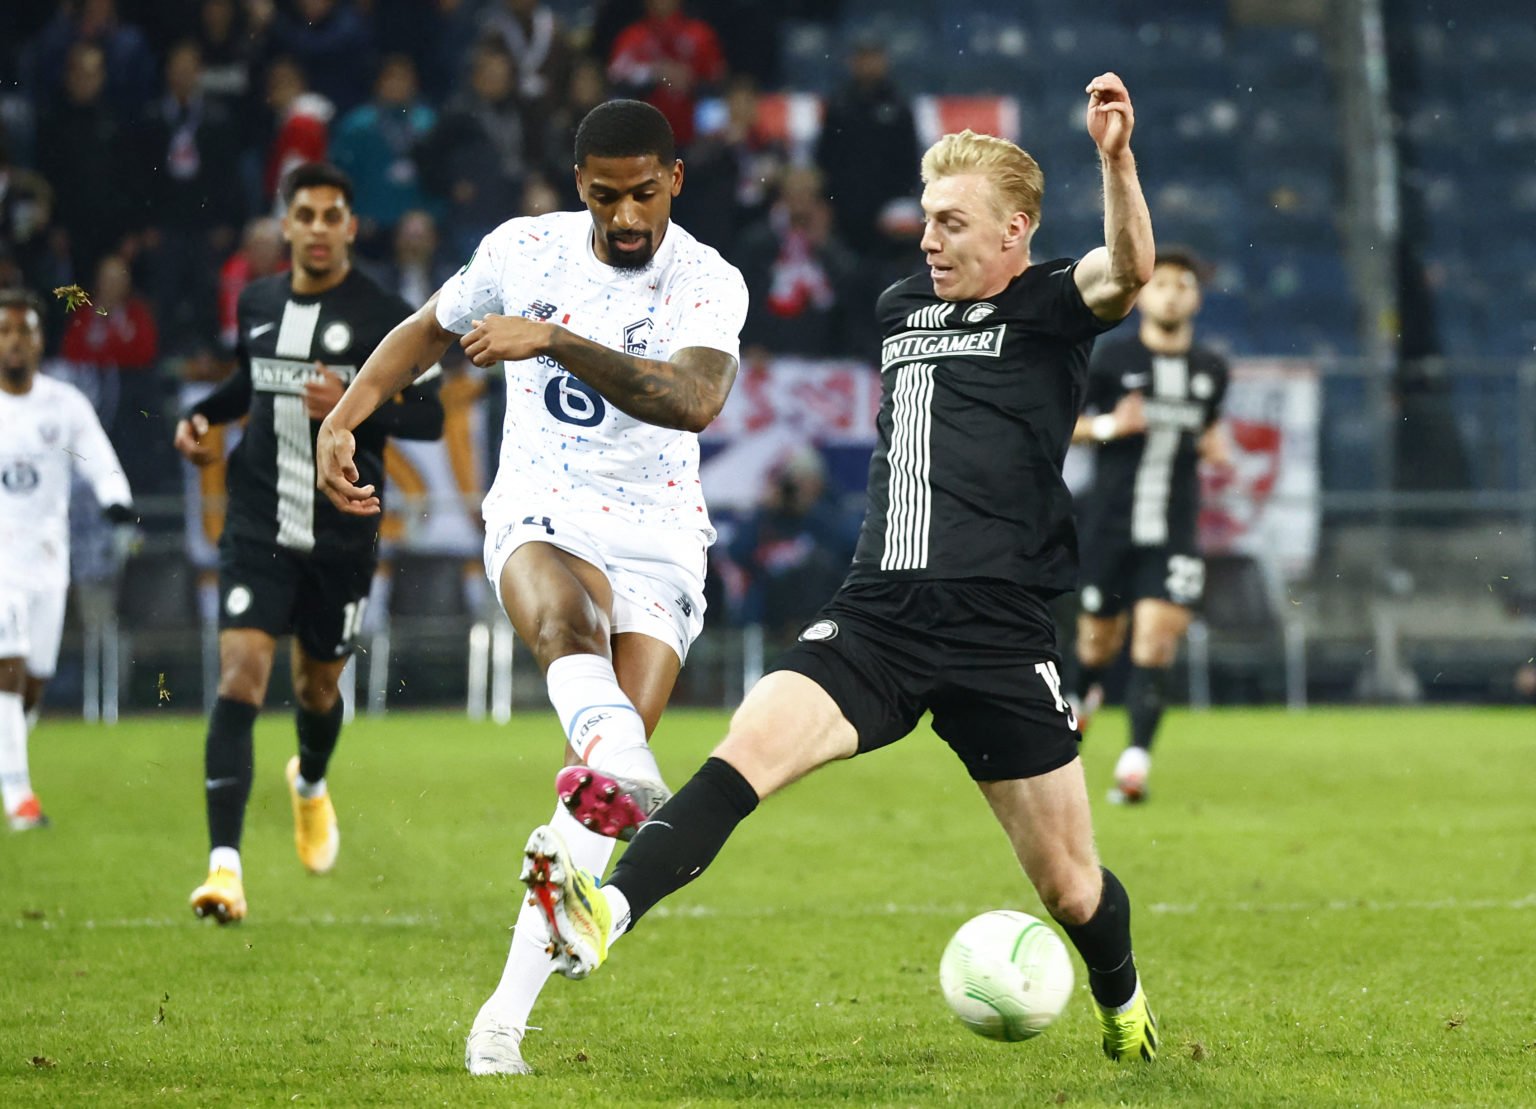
(47, 430)
(620, 334)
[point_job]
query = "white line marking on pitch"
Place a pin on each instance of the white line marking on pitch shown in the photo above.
(699, 912)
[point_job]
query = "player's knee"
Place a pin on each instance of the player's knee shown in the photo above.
(1071, 898)
(1156, 652)
(243, 677)
(558, 638)
(315, 694)
(1095, 651)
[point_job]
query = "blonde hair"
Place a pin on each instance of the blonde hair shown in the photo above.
(1015, 176)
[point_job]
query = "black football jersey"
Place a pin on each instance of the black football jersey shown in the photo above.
(272, 494)
(1147, 487)
(979, 401)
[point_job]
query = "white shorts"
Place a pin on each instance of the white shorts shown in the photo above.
(31, 625)
(657, 574)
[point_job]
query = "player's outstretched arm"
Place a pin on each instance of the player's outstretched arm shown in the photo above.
(409, 350)
(685, 392)
(1111, 276)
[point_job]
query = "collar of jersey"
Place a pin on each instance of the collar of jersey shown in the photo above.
(598, 268)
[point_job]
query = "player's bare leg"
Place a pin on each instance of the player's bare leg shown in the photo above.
(574, 615)
(1157, 628)
(1099, 642)
(1047, 820)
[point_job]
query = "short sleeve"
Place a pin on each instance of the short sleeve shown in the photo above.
(711, 309)
(1066, 310)
(476, 289)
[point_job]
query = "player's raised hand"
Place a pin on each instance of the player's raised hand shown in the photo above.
(192, 440)
(505, 339)
(336, 472)
(1110, 116)
(321, 392)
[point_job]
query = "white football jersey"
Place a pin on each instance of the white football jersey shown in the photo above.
(45, 434)
(562, 440)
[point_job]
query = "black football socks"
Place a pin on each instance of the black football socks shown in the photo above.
(674, 846)
(1145, 695)
(318, 732)
(1104, 942)
(227, 762)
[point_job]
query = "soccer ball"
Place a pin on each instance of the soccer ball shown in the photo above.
(1006, 975)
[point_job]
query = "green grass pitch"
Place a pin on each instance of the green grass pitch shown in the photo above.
(1334, 908)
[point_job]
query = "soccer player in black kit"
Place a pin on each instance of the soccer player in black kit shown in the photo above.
(289, 562)
(969, 535)
(1154, 399)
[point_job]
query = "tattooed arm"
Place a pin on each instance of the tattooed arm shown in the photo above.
(685, 392)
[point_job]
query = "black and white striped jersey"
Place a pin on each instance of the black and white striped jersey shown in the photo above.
(1146, 488)
(272, 494)
(978, 405)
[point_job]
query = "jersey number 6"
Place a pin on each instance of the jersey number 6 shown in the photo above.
(574, 402)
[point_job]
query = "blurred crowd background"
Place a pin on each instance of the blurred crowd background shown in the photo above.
(1354, 171)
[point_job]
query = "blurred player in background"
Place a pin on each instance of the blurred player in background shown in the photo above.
(620, 333)
(1154, 401)
(968, 536)
(47, 430)
(289, 563)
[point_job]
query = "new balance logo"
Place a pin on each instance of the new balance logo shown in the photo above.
(935, 315)
(539, 310)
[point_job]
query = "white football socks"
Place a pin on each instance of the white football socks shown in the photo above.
(601, 723)
(15, 780)
(225, 858)
(528, 964)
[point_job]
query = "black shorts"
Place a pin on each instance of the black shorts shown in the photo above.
(276, 590)
(1117, 573)
(980, 655)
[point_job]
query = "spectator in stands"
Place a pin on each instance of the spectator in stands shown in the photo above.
(536, 39)
(375, 144)
(477, 157)
(668, 59)
(89, 164)
(187, 153)
(110, 349)
(796, 547)
(26, 216)
(128, 64)
(803, 280)
(418, 268)
(588, 88)
(732, 171)
(867, 145)
(897, 254)
(227, 56)
(333, 44)
(540, 197)
(300, 125)
(262, 253)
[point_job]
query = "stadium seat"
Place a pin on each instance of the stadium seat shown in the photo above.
(1240, 633)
